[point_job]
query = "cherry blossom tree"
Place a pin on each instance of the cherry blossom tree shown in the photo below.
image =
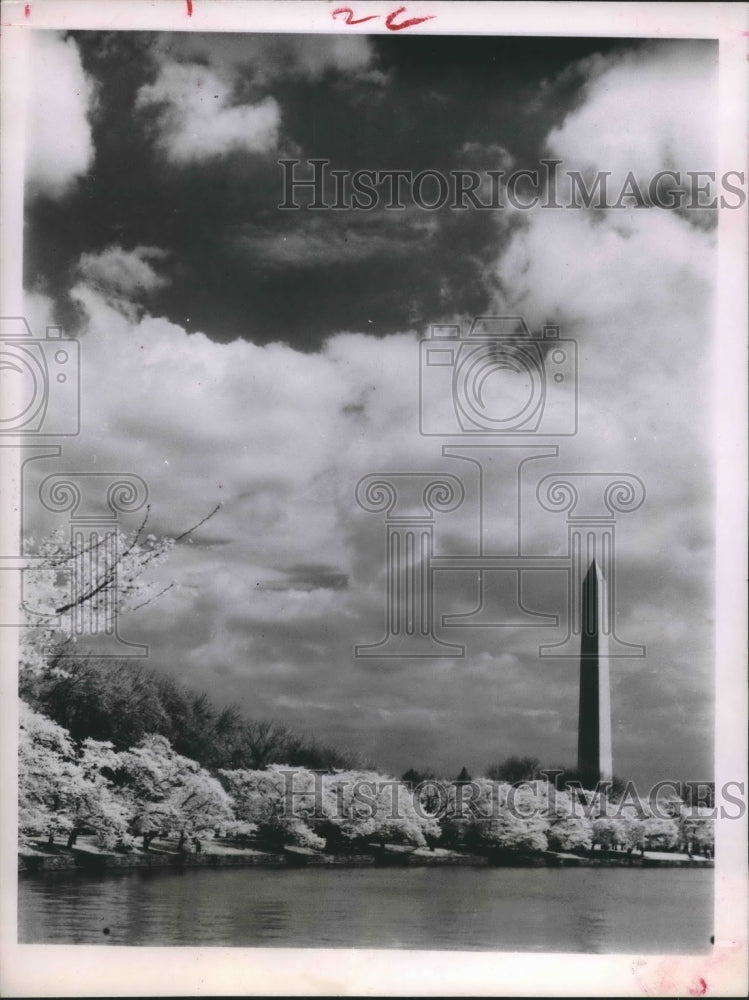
(365, 804)
(47, 769)
(495, 814)
(105, 576)
(659, 833)
(572, 834)
(62, 790)
(277, 802)
(697, 829)
(167, 792)
(514, 833)
(617, 831)
(346, 806)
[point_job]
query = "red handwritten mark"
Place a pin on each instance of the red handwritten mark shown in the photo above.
(392, 26)
(699, 989)
(27, 10)
(350, 15)
(390, 23)
(189, 8)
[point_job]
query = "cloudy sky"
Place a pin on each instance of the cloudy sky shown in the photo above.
(235, 353)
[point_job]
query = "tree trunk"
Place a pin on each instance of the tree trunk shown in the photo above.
(72, 838)
(181, 844)
(147, 838)
(51, 839)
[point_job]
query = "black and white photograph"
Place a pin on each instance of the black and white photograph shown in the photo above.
(373, 493)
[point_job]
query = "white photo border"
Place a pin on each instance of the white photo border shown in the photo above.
(47, 970)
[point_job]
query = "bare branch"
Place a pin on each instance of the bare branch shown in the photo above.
(84, 598)
(111, 571)
(136, 536)
(201, 522)
(143, 523)
(155, 597)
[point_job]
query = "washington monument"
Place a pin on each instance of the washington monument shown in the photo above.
(594, 727)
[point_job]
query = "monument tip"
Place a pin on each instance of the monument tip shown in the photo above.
(595, 570)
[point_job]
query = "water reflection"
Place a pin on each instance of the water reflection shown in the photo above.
(503, 909)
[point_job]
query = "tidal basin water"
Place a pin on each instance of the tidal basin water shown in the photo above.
(496, 909)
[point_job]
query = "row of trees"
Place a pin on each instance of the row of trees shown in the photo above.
(537, 816)
(132, 795)
(121, 703)
(128, 753)
(150, 789)
(518, 769)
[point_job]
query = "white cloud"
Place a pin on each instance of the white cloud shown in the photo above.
(649, 109)
(633, 286)
(313, 56)
(197, 120)
(39, 312)
(635, 289)
(262, 428)
(59, 147)
(197, 94)
(122, 277)
(272, 57)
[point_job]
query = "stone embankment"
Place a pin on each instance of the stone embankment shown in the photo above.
(38, 858)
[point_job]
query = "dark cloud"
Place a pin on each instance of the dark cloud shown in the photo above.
(308, 576)
(378, 104)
